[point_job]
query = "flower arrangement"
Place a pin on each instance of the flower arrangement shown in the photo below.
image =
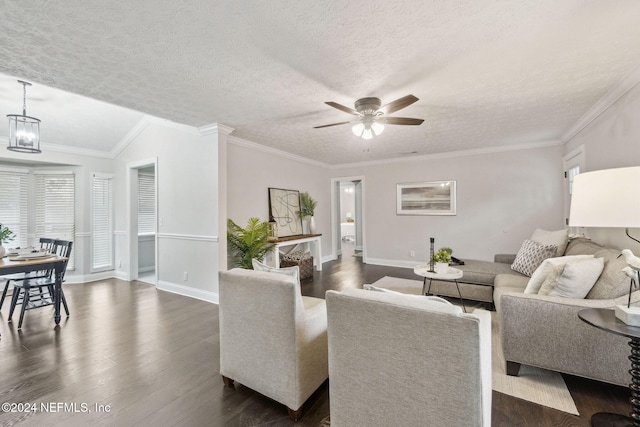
(6, 235)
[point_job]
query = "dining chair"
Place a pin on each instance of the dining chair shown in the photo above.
(38, 292)
(46, 244)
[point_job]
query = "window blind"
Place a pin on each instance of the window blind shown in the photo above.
(13, 205)
(102, 222)
(146, 204)
(55, 207)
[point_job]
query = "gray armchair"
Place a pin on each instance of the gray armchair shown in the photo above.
(272, 339)
(406, 361)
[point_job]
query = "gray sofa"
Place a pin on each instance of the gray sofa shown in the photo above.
(545, 331)
(478, 279)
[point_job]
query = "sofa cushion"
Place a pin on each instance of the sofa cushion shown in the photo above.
(560, 238)
(531, 255)
(573, 280)
(482, 272)
(581, 246)
(612, 283)
(547, 267)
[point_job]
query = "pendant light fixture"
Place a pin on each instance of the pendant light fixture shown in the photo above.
(24, 131)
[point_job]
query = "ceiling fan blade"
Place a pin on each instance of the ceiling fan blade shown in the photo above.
(398, 104)
(342, 108)
(332, 124)
(401, 121)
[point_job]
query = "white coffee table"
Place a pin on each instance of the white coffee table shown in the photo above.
(451, 275)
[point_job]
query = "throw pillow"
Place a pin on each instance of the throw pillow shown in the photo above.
(577, 278)
(531, 255)
(543, 270)
(551, 280)
(389, 291)
(612, 283)
(560, 238)
(294, 271)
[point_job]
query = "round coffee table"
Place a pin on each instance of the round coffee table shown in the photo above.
(451, 275)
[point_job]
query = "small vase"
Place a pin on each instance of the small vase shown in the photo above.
(3, 251)
(312, 225)
(305, 225)
(441, 267)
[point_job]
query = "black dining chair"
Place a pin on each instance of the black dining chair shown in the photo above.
(45, 244)
(39, 291)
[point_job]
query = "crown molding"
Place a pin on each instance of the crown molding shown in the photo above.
(63, 149)
(453, 154)
(610, 98)
(215, 128)
(269, 150)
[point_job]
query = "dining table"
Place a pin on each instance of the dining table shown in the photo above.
(12, 265)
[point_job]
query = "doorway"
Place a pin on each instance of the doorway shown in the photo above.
(347, 218)
(143, 228)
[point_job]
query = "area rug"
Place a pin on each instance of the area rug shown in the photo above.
(546, 388)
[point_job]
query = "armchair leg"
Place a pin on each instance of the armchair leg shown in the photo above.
(227, 381)
(513, 368)
(295, 415)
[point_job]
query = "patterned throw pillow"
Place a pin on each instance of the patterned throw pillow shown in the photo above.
(531, 255)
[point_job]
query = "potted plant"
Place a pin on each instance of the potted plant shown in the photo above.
(6, 235)
(307, 208)
(249, 242)
(442, 258)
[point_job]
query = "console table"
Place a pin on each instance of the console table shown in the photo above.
(298, 240)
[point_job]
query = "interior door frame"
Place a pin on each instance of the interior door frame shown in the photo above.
(132, 217)
(335, 214)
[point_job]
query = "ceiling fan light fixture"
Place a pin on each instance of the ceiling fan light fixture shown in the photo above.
(24, 131)
(367, 134)
(358, 129)
(377, 128)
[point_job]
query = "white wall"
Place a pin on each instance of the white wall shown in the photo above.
(501, 199)
(253, 169)
(612, 140)
(187, 179)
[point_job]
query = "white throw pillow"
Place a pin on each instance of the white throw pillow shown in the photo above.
(531, 255)
(294, 271)
(560, 238)
(543, 270)
(389, 291)
(577, 278)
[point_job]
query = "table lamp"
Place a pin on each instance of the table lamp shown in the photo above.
(609, 198)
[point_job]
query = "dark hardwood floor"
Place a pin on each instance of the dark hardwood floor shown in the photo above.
(153, 358)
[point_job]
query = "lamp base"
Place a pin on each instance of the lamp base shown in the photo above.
(629, 315)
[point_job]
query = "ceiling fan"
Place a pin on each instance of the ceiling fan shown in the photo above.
(371, 117)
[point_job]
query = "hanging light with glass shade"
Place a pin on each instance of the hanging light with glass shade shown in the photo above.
(24, 131)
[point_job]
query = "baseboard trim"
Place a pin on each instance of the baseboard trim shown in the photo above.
(188, 291)
(393, 262)
(93, 277)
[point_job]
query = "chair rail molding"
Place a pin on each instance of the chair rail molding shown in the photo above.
(177, 236)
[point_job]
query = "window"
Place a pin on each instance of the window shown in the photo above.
(55, 207)
(146, 204)
(571, 174)
(13, 204)
(102, 222)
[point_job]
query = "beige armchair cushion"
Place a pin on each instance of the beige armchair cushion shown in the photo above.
(272, 339)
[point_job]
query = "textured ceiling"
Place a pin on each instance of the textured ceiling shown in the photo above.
(488, 74)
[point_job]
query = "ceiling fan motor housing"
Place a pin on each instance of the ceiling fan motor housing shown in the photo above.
(368, 106)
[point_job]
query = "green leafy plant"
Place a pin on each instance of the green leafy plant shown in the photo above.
(307, 205)
(442, 255)
(447, 250)
(249, 242)
(6, 235)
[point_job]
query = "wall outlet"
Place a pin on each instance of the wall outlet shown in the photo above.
(412, 254)
(185, 276)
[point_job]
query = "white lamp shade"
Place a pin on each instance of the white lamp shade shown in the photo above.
(606, 198)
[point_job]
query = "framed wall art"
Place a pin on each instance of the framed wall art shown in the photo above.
(284, 206)
(426, 198)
